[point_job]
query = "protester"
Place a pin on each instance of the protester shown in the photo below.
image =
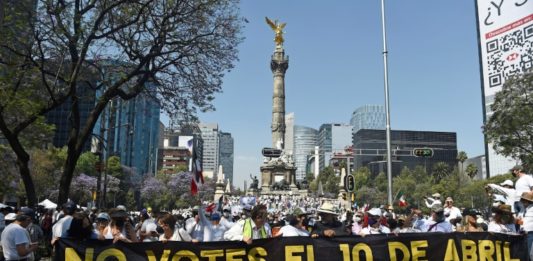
(503, 221)
(169, 232)
(329, 226)
(194, 227)
(121, 228)
(248, 229)
(15, 239)
(525, 218)
(450, 211)
(295, 226)
(438, 222)
(80, 227)
(373, 224)
(470, 223)
(433, 200)
(357, 225)
(524, 183)
(60, 228)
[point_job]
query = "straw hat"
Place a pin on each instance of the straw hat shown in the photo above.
(502, 209)
(327, 208)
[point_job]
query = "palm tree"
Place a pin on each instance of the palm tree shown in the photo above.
(461, 157)
(440, 170)
(471, 170)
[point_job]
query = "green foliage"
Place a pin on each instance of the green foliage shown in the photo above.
(471, 170)
(361, 177)
(87, 164)
(509, 127)
(440, 171)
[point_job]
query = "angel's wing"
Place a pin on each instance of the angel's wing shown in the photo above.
(269, 22)
(281, 26)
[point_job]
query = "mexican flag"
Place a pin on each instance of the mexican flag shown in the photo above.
(401, 199)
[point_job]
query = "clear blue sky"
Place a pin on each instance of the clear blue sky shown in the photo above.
(336, 65)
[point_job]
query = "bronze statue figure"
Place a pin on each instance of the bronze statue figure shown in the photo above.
(278, 29)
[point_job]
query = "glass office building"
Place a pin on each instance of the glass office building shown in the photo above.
(370, 149)
(305, 140)
(368, 117)
(226, 154)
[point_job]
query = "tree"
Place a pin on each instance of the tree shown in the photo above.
(510, 127)
(471, 170)
(440, 170)
(461, 157)
(174, 51)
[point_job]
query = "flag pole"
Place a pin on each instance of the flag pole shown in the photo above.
(387, 108)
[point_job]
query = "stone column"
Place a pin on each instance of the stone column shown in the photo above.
(278, 64)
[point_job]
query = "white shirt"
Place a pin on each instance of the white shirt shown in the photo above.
(452, 213)
(290, 231)
(445, 226)
(178, 235)
(523, 184)
(501, 228)
(61, 227)
(368, 230)
(510, 194)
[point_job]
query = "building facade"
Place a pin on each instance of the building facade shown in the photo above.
(370, 149)
(305, 140)
(226, 154)
(289, 132)
(370, 117)
(333, 138)
(210, 158)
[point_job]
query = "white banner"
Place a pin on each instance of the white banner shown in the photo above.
(505, 37)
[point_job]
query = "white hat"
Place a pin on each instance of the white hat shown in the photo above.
(327, 208)
(10, 216)
(436, 195)
(374, 212)
(507, 182)
(121, 207)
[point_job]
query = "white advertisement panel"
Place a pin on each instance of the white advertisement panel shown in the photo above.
(505, 37)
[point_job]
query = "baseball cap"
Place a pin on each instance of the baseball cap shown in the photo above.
(517, 167)
(437, 208)
(215, 216)
(375, 212)
(103, 215)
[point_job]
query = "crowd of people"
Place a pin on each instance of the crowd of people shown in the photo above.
(27, 234)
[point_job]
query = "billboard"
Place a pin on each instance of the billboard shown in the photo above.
(505, 33)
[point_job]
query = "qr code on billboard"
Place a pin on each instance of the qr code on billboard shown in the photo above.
(509, 54)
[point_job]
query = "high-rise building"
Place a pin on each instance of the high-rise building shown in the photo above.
(370, 148)
(333, 138)
(226, 154)
(131, 132)
(289, 132)
(305, 140)
(505, 50)
(370, 117)
(210, 137)
(60, 116)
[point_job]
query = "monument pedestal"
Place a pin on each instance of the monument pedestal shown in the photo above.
(219, 191)
(278, 177)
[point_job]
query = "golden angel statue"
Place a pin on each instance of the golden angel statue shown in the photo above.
(278, 29)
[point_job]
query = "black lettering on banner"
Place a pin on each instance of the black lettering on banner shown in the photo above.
(411, 246)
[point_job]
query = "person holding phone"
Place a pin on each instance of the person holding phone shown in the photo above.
(16, 243)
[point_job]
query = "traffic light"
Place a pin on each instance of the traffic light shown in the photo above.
(423, 152)
(349, 183)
